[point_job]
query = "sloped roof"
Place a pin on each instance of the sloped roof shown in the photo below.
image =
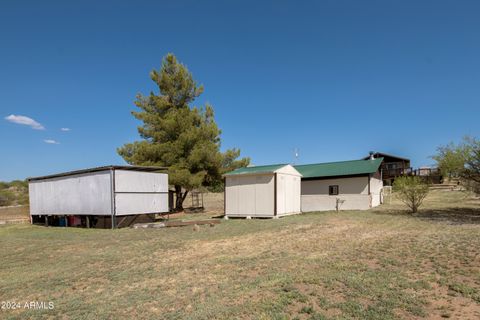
(256, 169)
(103, 168)
(385, 155)
(342, 168)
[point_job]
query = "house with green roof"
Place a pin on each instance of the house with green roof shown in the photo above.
(343, 185)
(280, 189)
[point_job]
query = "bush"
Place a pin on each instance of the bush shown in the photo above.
(411, 191)
(6, 197)
(13, 193)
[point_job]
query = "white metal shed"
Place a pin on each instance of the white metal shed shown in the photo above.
(262, 191)
(109, 191)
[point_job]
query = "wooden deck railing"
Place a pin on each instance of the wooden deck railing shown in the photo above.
(423, 172)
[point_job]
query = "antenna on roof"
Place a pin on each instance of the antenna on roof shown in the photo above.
(295, 153)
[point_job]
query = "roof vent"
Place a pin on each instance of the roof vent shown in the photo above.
(372, 155)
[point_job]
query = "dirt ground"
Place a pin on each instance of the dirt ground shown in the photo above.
(212, 203)
(14, 214)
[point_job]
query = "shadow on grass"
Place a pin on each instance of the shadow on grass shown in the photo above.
(453, 215)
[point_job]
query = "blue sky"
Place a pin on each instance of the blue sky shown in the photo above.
(334, 79)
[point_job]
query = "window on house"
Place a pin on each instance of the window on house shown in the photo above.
(333, 190)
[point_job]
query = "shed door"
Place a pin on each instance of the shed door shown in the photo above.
(264, 195)
(288, 194)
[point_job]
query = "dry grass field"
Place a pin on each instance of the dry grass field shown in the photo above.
(15, 214)
(377, 264)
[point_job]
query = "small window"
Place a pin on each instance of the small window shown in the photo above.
(333, 190)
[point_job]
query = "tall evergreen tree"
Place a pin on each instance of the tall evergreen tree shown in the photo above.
(176, 135)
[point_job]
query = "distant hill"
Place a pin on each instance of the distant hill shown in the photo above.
(13, 193)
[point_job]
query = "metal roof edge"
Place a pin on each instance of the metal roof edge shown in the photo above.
(377, 166)
(332, 162)
(291, 165)
(279, 165)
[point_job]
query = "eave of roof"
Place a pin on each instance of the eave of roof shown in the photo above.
(256, 169)
(103, 168)
(382, 154)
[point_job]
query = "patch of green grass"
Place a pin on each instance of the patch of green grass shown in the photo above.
(307, 309)
(466, 291)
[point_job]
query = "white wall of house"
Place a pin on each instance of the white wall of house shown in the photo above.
(353, 194)
(329, 203)
(348, 185)
(376, 186)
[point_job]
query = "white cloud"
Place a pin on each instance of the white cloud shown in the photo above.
(65, 129)
(25, 121)
(51, 141)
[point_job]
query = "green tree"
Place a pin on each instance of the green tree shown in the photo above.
(471, 170)
(451, 159)
(7, 197)
(230, 162)
(461, 160)
(175, 135)
(411, 191)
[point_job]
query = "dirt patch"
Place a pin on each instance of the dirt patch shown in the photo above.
(14, 214)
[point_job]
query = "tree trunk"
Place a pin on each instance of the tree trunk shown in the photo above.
(179, 198)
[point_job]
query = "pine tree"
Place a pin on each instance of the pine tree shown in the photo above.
(176, 135)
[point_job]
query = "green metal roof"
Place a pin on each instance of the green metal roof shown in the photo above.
(342, 168)
(256, 169)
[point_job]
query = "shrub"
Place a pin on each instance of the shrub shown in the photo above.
(411, 191)
(13, 193)
(6, 197)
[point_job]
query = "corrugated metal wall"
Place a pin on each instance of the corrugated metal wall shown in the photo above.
(81, 194)
(140, 192)
(91, 194)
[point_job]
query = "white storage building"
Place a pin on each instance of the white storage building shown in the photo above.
(262, 191)
(113, 194)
